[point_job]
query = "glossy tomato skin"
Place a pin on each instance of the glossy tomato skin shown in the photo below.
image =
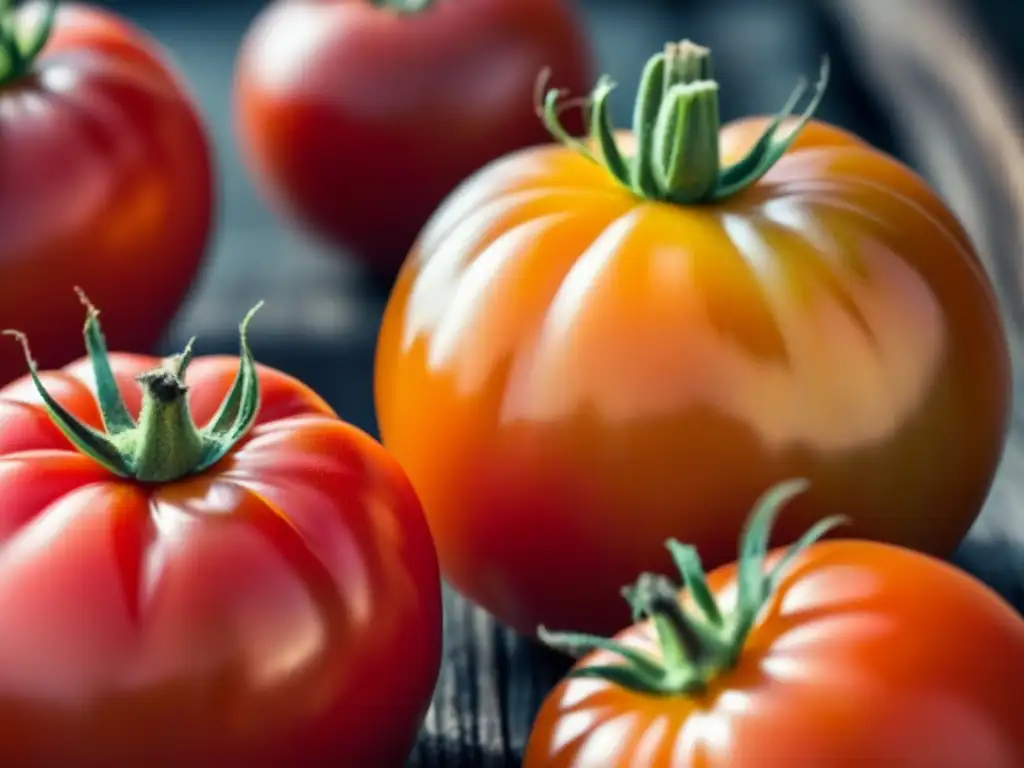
(282, 608)
(107, 185)
(358, 120)
(868, 655)
(571, 376)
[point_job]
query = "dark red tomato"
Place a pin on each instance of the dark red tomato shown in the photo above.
(217, 597)
(106, 184)
(359, 116)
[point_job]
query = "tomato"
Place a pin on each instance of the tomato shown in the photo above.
(263, 591)
(843, 653)
(107, 182)
(357, 117)
(588, 353)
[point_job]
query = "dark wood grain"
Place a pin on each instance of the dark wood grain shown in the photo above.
(954, 119)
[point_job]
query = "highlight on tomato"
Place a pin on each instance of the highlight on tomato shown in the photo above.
(260, 590)
(107, 180)
(357, 117)
(842, 653)
(599, 345)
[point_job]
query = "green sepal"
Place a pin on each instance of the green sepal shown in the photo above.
(643, 179)
(641, 672)
(576, 643)
(687, 562)
(750, 577)
(608, 153)
(239, 409)
(85, 438)
(551, 108)
(31, 43)
(113, 411)
(623, 676)
(19, 48)
(768, 149)
(816, 532)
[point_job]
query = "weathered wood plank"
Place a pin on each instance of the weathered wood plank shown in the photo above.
(491, 684)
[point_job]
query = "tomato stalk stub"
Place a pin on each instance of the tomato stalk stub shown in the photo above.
(164, 444)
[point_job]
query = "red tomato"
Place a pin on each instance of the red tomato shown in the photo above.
(587, 354)
(221, 597)
(849, 654)
(359, 116)
(106, 184)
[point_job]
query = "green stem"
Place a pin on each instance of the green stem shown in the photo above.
(676, 127)
(19, 47)
(694, 650)
(164, 444)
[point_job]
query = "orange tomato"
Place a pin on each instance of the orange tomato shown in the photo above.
(593, 349)
(861, 654)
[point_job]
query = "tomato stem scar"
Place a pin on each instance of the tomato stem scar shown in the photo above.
(164, 444)
(676, 125)
(696, 646)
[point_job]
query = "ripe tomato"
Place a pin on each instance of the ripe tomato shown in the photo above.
(106, 182)
(217, 597)
(359, 116)
(845, 654)
(617, 352)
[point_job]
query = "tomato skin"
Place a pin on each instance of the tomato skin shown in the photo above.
(559, 356)
(856, 661)
(107, 185)
(358, 121)
(281, 608)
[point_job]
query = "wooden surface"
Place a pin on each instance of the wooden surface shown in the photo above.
(942, 106)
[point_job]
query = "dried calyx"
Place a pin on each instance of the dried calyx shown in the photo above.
(164, 444)
(696, 646)
(675, 127)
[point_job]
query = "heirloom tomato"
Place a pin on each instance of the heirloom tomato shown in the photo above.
(359, 116)
(106, 180)
(845, 653)
(259, 591)
(600, 344)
